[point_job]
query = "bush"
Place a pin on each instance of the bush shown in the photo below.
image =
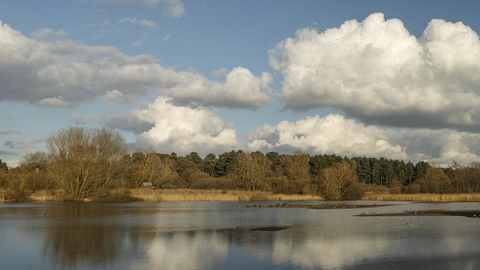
(116, 195)
(16, 191)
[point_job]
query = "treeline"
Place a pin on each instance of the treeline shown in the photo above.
(90, 162)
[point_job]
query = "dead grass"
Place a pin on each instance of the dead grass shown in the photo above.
(174, 195)
(424, 197)
(51, 195)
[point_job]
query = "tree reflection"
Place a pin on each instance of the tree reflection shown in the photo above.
(73, 243)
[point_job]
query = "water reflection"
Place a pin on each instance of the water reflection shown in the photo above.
(218, 236)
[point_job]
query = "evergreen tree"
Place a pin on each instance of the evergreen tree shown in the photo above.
(375, 171)
(209, 164)
(195, 158)
(363, 169)
(317, 163)
(3, 165)
(420, 169)
(409, 173)
(275, 158)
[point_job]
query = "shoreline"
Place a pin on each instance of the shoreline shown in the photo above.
(177, 195)
(172, 195)
(423, 197)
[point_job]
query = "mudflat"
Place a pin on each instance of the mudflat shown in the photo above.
(466, 213)
(319, 206)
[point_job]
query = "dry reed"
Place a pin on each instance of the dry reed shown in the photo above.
(46, 195)
(424, 197)
(172, 195)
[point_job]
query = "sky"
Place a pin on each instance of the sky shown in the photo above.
(393, 79)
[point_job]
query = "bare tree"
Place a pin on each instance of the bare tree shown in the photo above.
(252, 169)
(296, 167)
(338, 181)
(82, 159)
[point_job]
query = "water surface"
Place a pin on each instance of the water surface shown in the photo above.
(217, 235)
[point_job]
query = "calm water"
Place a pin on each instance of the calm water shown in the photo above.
(217, 235)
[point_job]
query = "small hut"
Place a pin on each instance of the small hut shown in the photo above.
(147, 185)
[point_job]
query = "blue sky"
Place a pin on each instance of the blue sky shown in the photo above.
(397, 79)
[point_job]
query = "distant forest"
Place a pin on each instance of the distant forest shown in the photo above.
(88, 162)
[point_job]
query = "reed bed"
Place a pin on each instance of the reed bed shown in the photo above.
(175, 195)
(424, 197)
(46, 195)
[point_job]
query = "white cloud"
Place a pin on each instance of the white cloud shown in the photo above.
(173, 9)
(168, 127)
(241, 90)
(117, 96)
(376, 71)
(26, 143)
(185, 129)
(220, 73)
(334, 134)
(166, 37)
(13, 163)
(149, 24)
(181, 250)
(56, 102)
(66, 73)
(331, 134)
(9, 131)
(46, 34)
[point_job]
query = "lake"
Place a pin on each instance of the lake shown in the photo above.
(218, 235)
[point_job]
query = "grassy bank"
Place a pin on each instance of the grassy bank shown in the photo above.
(172, 195)
(424, 197)
(177, 195)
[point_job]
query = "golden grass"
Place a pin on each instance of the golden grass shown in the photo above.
(46, 195)
(175, 195)
(424, 197)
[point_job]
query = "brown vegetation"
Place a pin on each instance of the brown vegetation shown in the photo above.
(424, 197)
(152, 195)
(96, 164)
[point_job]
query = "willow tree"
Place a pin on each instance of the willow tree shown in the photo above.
(83, 159)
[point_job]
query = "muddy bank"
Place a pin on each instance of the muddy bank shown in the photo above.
(270, 228)
(321, 206)
(468, 213)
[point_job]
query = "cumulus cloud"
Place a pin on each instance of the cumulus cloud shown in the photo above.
(170, 128)
(13, 163)
(334, 134)
(46, 34)
(149, 24)
(2, 152)
(241, 90)
(220, 73)
(56, 102)
(117, 96)
(135, 121)
(66, 73)
(377, 72)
